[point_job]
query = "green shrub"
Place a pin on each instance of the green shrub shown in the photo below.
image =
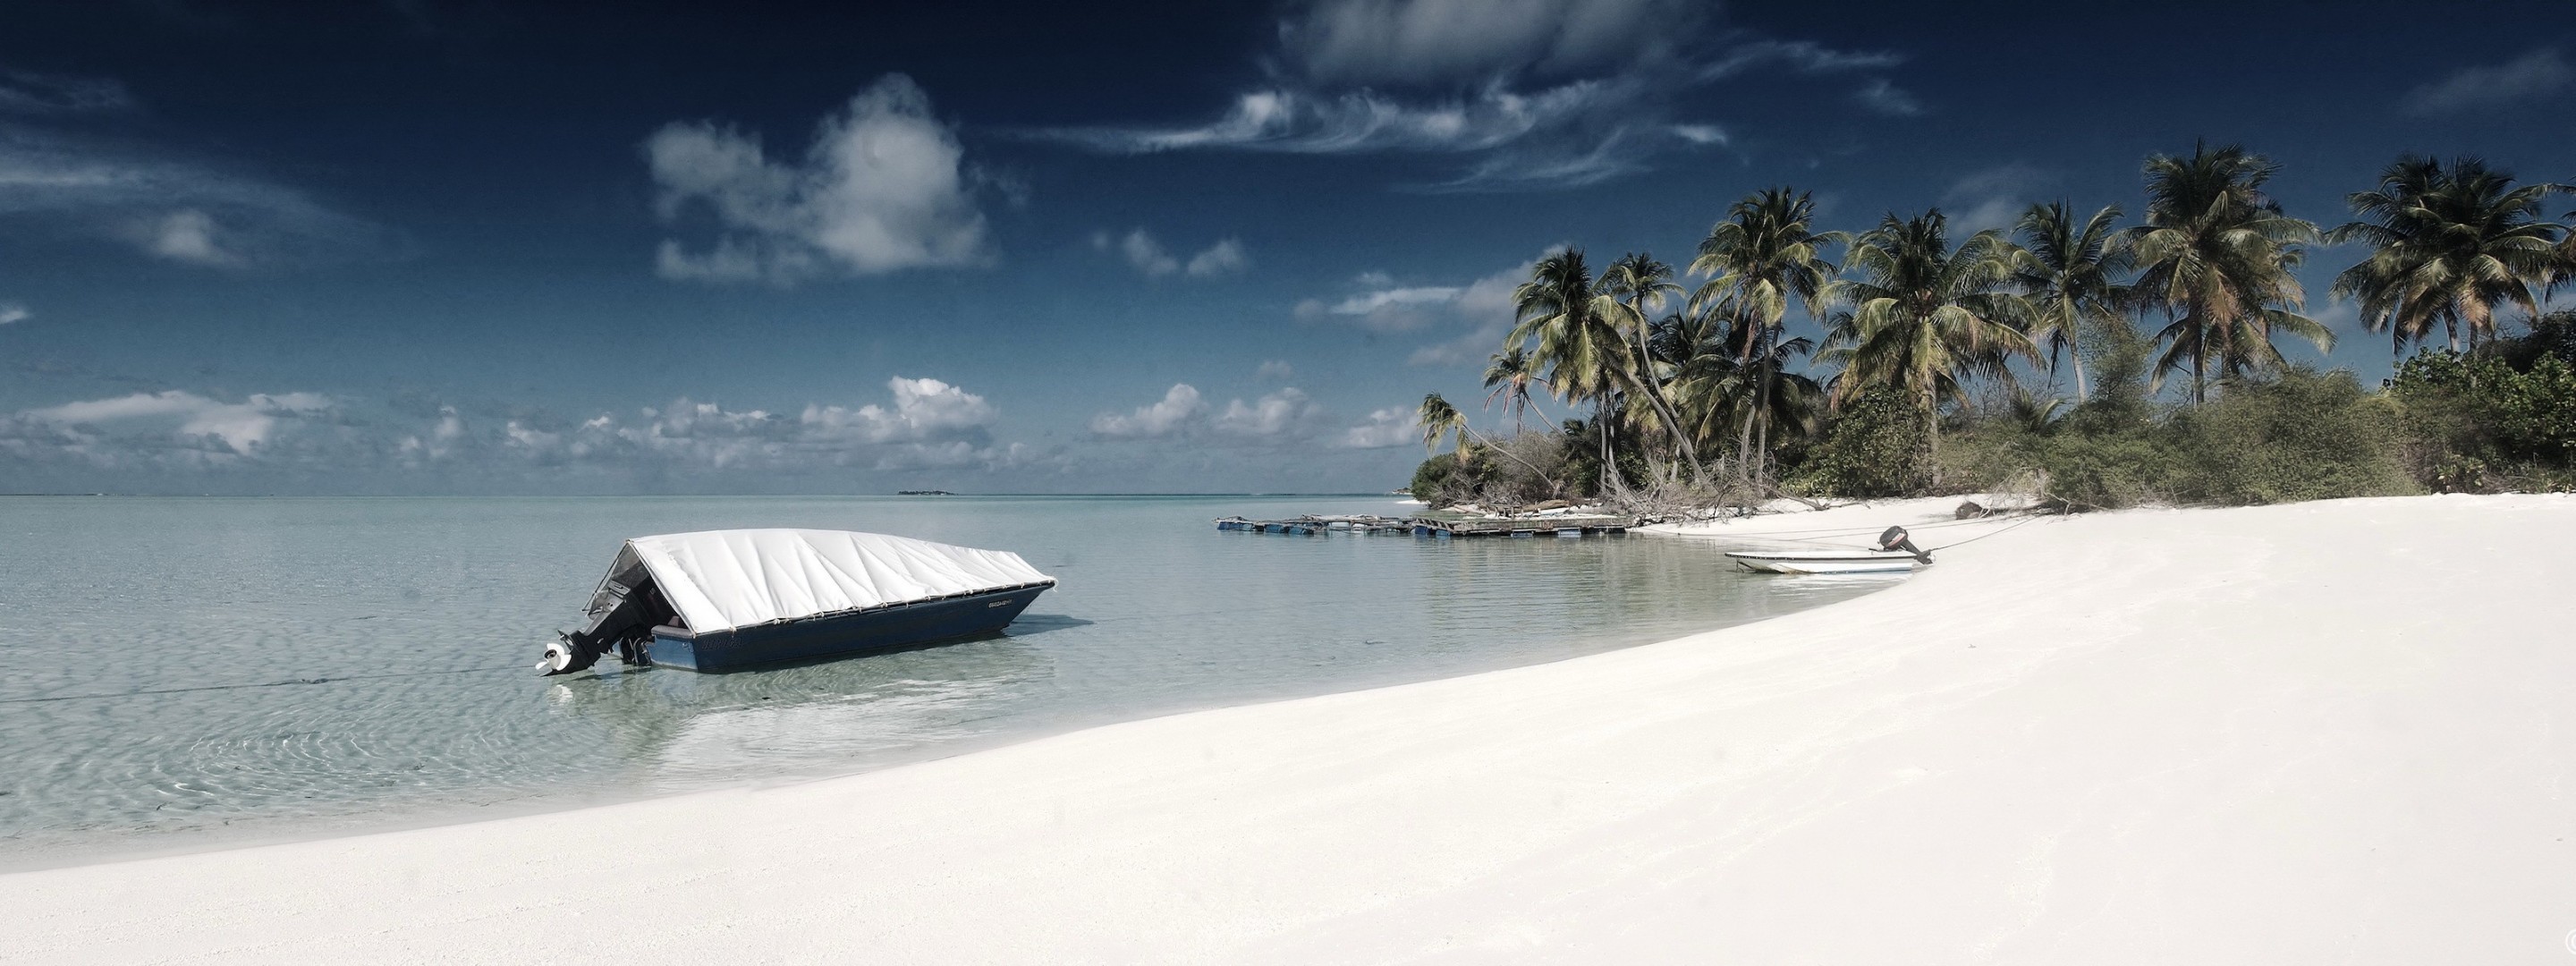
(2504, 418)
(2300, 435)
(1874, 445)
(2110, 470)
(1433, 474)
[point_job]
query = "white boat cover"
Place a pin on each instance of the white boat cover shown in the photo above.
(723, 579)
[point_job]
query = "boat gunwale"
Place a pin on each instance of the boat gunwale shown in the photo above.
(692, 633)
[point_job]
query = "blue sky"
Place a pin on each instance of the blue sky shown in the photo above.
(442, 247)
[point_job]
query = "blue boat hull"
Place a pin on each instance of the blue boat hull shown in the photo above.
(839, 635)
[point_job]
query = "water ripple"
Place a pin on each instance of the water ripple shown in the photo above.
(185, 668)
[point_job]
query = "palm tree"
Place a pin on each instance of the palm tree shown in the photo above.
(2069, 274)
(1509, 377)
(1765, 254)
(1716, 393)
(1442, 421)
(1925, 317)
(1646, 284)
(2216, 254)
(1569, 326)
(2448, 242)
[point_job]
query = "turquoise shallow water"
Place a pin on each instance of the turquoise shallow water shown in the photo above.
(185, 672)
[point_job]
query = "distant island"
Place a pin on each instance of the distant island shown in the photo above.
(923, 493)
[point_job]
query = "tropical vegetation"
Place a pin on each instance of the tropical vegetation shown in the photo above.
(1938, 354)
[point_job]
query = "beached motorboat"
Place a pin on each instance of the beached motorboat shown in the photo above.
(1825, 561)
(1895, 552)
(723, 600)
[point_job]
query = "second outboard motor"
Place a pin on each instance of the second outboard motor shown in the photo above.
(1896, 539)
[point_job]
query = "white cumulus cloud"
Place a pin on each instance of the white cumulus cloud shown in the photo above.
(1280, 413)
(924, 409)
(1179, 407)
(185, 418)
(926, 424)
(1392, 426)
(1226, 257)
(883, 187)
(1184, 412)
(187, 236)
(1146, 254)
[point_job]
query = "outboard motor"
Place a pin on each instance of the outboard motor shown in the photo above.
(566, 656)
(622, 616)
(1896, 539)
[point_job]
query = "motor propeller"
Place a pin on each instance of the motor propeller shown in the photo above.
(565, 657)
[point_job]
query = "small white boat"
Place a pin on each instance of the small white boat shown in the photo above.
(1826, 561)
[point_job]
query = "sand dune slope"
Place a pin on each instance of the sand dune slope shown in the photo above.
(2325, 733)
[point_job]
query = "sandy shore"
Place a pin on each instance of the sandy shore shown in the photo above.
(2323, 733)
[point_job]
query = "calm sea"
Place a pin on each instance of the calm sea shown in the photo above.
(180, 673)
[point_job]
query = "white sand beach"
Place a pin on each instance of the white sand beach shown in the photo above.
(2334, 732)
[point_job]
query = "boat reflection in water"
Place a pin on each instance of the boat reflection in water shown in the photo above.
(680, 731)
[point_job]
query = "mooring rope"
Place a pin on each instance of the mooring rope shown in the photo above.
(1822, 535)
(263, 684)
(2016, 525)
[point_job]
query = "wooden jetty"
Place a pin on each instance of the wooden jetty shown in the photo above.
(1557, 525)
(1439, 526)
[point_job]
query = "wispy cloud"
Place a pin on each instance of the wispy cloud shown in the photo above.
(32, 93)
(1361, 121)
(1883, 96)
(163, 204)
(1479, 311)
(14, 312)
(1416, 42)
(1802, 56)
(1996, 197)
(1699, 133)
(1537, 94)
(884, 187)
(2529, 78)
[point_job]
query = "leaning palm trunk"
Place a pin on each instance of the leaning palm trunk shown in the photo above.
(1664, 407)
(2200, 362)
(1762, 410)
(1601, 424)
(2075, 358)
(1756, 345)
